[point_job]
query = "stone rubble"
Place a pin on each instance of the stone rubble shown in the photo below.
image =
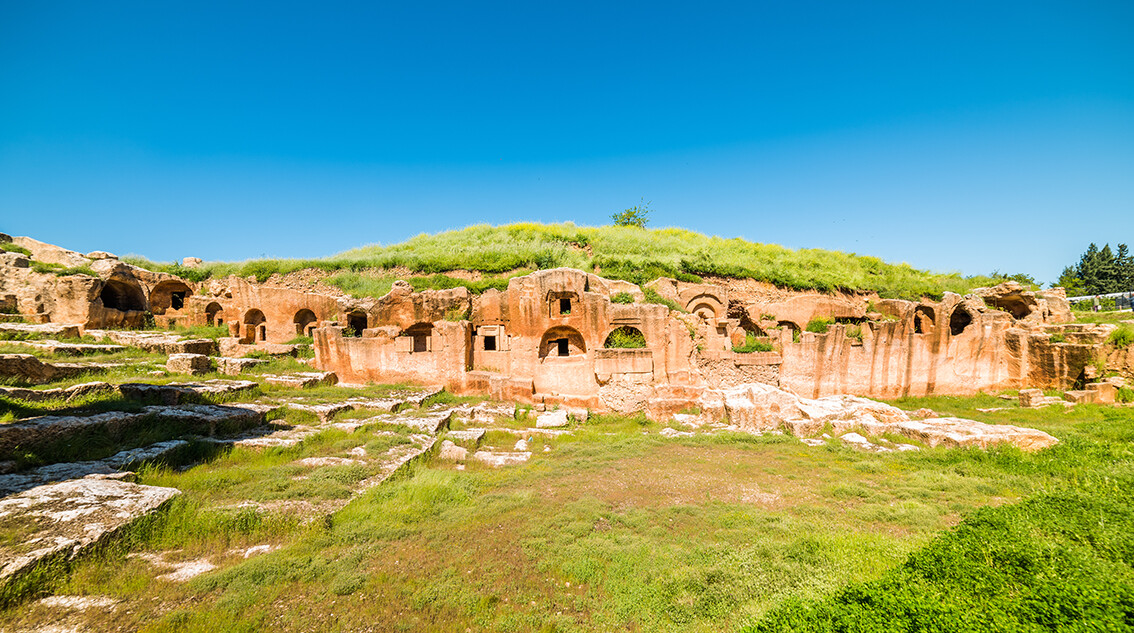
(760, 407)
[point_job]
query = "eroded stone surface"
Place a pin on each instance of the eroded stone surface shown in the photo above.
(758, 407)
(160, 342)
(62, 519)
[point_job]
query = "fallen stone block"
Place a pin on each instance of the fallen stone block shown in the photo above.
(61, 393)
(1105, 392)
(33, 434)
(160, 342)
(28, 369)
(64, 519)
(69, 349)
(473, 436)
(61, 330)
(112, 466)
(452, 452)
(178, 392)
(758, 407)
(233, 348)
(302, 380)
(1081, 396)
(235, 366)
(551, 419)
(498, 459)
(192, 364)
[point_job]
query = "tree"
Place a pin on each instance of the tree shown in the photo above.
(637, 215)
(1099, 271)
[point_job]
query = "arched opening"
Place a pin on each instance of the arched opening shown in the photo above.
(625, 337)
(1012, 304)
(561, 342)
(422, 334)
(255, 326)
(357, 322)
(119, 295)
(304, 322)
(169, 295)
(924, 320)
(214, 314)
(959, 320)
(705, 311)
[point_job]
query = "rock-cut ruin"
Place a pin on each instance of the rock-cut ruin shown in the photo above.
(557, 337)
(722, 355)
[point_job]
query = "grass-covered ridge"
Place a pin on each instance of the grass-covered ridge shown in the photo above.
(633, 254)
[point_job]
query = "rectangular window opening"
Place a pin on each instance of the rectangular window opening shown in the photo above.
(419, 342)
(490, 343)
(564, 306)
(563, 347)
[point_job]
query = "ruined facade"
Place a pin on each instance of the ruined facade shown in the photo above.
(572, 338)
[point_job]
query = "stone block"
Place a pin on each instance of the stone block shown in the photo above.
(552, 419)
(1080, 396)
(1105, 392)
(1030, 397)
(192, 364)
(452, 452)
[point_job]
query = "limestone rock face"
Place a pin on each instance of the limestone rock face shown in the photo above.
(65, 518)
(1050, 306)
(191, 262)
(761, 408)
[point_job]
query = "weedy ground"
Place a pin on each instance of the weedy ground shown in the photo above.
(615, 527)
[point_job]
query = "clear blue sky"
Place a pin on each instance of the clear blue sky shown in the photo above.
(956, 135)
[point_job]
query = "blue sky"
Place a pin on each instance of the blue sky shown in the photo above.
(968, 136)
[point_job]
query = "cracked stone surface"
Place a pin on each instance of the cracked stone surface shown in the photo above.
(63, 519)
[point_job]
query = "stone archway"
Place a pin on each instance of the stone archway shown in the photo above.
(214, 314)
(561, 342)
(304, 322)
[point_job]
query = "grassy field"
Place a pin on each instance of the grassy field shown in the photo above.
(633, 254)
(615, 527)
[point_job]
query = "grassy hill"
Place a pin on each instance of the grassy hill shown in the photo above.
(633, 254)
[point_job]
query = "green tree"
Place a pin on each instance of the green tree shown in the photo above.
(1099, 271)
(637, 215)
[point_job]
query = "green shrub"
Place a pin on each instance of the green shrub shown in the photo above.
(622, 297)
(855, 332)
(625, 338)
(1125, 394)
(59, 270)
(1058, 337)
(652, 296)
(1122, 337)
(12, 248)
(819, 325)
(752, 344)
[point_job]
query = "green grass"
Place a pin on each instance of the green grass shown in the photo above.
(12, 248)
(819, 325)
(617, 529)
(752, 344)
(1123, 336)
(632, 254)
(202, 331)
(1114, 316)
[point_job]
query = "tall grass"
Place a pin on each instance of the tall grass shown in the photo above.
(633, 254)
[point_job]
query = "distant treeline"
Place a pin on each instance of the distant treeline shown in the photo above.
(1099, 271)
